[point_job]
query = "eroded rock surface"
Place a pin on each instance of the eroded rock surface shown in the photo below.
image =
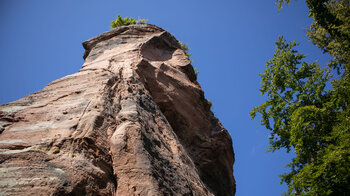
(132, 121)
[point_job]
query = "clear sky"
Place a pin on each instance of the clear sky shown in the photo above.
(230, 41)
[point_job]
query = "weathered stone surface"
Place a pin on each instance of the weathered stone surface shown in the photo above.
(132, 121)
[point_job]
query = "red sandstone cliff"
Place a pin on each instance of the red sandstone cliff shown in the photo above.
(132, 121)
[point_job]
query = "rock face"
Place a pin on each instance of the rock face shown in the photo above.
(132, 121)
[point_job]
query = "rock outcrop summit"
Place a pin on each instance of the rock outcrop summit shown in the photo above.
(132, 121)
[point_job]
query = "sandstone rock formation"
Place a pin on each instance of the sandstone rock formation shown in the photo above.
(132, 121)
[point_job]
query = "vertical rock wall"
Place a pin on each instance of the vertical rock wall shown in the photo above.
(132, 121)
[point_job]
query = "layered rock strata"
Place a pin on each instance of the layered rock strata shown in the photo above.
(132, 121)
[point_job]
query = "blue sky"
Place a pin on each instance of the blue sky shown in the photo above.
(230, 42)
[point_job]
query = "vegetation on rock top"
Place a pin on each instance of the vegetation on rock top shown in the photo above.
(119, 21)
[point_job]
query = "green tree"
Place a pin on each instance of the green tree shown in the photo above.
(119, 21)
(330, 30)
(305, 117)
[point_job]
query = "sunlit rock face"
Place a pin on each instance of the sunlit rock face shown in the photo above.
(132, 121)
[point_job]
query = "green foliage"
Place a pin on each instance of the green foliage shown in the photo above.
(185, 48)
(306, 117)
(330, 30)
(290, 84)
(141, 21)
(119, 21)
(196, 71)
(281, 2)
(303, 115)
(122, 21)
